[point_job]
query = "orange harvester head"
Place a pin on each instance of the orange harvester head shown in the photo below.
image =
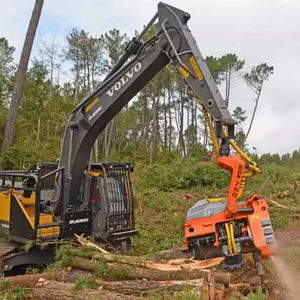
(233, 227)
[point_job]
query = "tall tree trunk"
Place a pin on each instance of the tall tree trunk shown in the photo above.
(253, 114)
(108, 142)
(38, 130)
(181, 125)
(105, 138)
(96, 151)
(10, 126)
(76, 93)
(170, 121)
(154, 130)
(165, 123)
(188, 138)
(228, 86)
(205, 137)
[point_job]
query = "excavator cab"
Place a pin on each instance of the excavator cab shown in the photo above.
(109, 195)
(106, 200)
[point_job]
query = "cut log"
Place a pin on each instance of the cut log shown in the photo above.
(212, 287)
(204, 290)
(50, 290)
(144, 287)
(30, 280)
(179, 264)
(174, 253)
(220, 292)
(115, 258)
(130, 272)
(175, 264)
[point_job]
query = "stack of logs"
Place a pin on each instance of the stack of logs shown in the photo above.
(133, 277)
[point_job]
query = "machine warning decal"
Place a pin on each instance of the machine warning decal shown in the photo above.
(91, 104)
(196, 68)
(95, 113)
(255, 217)
(183, 70)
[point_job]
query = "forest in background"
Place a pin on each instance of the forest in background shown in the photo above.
(162, 122)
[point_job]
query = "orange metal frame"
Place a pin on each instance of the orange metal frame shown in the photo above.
(204, 226)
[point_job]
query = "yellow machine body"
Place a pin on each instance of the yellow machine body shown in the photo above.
(27, 205)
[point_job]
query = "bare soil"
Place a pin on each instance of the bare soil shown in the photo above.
(289, 237)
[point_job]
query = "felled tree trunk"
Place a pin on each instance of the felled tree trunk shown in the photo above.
(135, 272)
(123, 259)
(143, 287)
(30, 280)
(64, 291)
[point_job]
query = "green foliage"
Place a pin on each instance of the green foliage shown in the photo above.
(9, 293)
(280, 183)
(224, 69)
(40, 123)
(86, 54)
(186, 294)
(258, 74)
(114, 43)
(181, 174)
(156, 189)
(29, 245)
(257, 295)
(63, 256)
(214, 67)
(82, 282)
(239, 115)
(103, 271)
(6, 70)
(5, 285)
(65, 253)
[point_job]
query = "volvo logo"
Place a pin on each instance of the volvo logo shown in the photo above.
(124, 79)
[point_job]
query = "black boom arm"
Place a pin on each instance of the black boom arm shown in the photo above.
(174, 42)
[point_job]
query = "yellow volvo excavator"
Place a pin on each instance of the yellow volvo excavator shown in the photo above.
(54, 201)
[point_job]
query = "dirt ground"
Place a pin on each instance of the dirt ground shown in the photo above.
(288, 259)
(289, 237)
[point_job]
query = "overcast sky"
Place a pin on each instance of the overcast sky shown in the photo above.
(256, 30)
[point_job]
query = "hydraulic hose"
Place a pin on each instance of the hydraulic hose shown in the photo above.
(229, 244)
(251, 165)
(211, 131)
(234, 249)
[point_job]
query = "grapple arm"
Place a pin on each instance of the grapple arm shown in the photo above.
(173, 42)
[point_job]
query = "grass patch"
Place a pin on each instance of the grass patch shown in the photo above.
(9, 293)
(186, 294)
(257, 295)
(82, 282)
